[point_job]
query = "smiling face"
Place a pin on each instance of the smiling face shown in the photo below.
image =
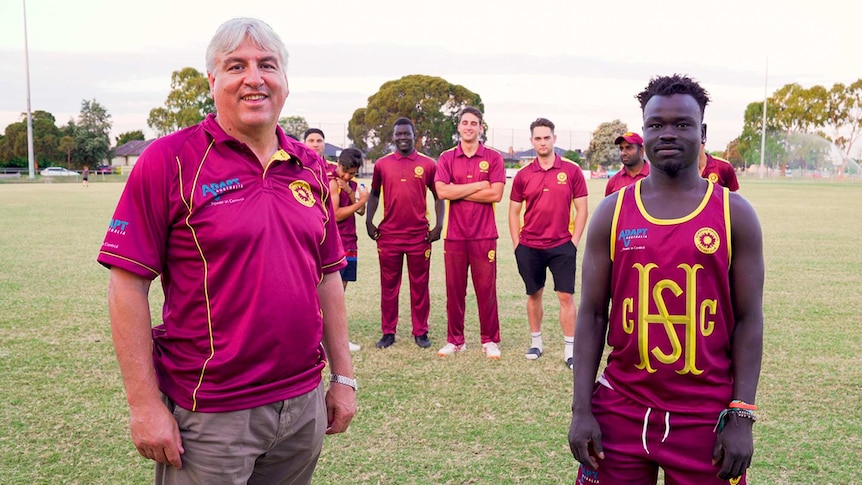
(404, 138)
(469, 127)
(673, 132)
(249, 87)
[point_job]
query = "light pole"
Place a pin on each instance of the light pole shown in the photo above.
(30, 159)
(763, 127)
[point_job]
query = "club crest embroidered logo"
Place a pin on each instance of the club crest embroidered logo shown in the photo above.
(491, 255)
(483, 166)
(713, 177)
(735, 481)
(561, 178)
(302, 192)
(418, 172)
(706, 240)
(427, 254)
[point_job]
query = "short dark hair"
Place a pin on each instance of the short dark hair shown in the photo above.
(404, 121)
(471, 110)
(311, 131)
(676, 84)
(350, 158)
(542, 122)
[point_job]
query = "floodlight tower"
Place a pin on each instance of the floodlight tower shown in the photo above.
(763, 124)
(30, 158)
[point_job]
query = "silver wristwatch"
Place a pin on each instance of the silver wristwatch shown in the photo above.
(344, 380)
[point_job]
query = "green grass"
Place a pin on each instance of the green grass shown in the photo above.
(422, 419)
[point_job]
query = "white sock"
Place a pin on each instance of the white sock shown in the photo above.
(536, 340)
(569, 347)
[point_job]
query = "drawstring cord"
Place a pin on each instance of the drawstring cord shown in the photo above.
(646, 424)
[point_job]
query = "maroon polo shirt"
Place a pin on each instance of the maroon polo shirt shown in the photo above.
(548, 197)
(240, 249)
(720, 171)
(623, 179)
(403, 183)
(467, 220)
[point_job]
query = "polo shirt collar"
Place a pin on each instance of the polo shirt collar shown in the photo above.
(399, 156)
(286, 152)
(459, 152)
(558, 163)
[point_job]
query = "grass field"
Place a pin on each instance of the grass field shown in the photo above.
(422, 419)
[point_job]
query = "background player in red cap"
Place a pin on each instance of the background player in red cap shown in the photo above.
(550, 187)
(679, 262)
(632, 157)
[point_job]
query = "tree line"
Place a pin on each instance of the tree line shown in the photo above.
(802, 124)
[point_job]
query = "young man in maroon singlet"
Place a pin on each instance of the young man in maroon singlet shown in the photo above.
(680, 260)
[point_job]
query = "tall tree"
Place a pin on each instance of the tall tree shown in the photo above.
(603, 152)
(45, 138)
(293, 125)
(188, 102)
(129, 136)
(844, 118)
(91, 134)
(431, 102)
(67, 144)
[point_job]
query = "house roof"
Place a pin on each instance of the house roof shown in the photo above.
(132, 148)
(331, 150)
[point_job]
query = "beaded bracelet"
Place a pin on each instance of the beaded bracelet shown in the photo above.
(738, 412)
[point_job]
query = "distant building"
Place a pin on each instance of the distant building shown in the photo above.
(127, 154)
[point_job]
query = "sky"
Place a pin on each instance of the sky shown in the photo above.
(577, 64)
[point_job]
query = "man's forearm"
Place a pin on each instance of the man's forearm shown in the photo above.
(131, 331)
(335, 338)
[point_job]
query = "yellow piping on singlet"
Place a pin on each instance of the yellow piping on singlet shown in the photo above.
(726, 193)
(616, 219)
(190, 206)
(130, 261)
(670, 222)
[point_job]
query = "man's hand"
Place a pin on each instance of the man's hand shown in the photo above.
(433, 234)
(363, 195)
(156, 434)
(373, 232)
(340, 407)
(734, 447)
(585, 440)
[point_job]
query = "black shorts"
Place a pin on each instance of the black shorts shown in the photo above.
(561, 260)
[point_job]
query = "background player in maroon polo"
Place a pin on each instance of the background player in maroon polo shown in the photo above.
(402, 180)
(550, 187)
(316, 140)
(632, 157)
(680, 261)
(349, 199)
(717, 170)
(472, 178)
(235, 217)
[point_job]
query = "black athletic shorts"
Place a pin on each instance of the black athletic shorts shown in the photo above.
(561, 260)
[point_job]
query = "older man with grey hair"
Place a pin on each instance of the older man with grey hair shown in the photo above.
(236, 219)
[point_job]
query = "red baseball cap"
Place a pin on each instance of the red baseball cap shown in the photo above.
(630, 137)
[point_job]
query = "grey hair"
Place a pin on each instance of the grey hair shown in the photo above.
(233, 32)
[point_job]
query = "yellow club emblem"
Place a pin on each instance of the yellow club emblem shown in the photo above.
(713, 177)
(706, 240)
(427, 253)
(562, 177)
(418, 171)
(491, 255)
(483, 165)
(302, 192)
